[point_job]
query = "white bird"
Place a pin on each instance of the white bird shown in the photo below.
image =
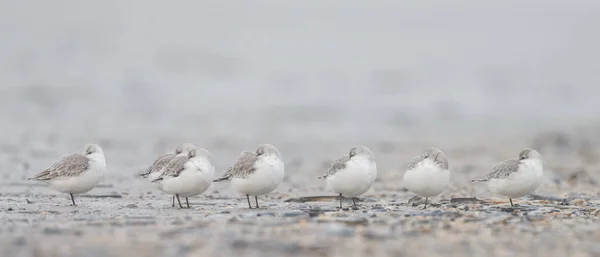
(427, 175)
(75, 173)
(517, 177)
(154, 171)
(188, 174)
(353, 174)
(256, 173)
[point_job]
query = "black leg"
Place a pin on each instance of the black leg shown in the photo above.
(186, 202)
(256, 200)
(354, 201)
(426, 198)
(173, 205)
(511, 204)
(73, 200)
(248, 197)
(180, 206)
(340, 201)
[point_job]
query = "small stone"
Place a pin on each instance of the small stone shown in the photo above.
(339, 230)
(9, 209)
(272, 214)
(293, 213)
(355, 208)
(225, 212)
(371, 214)
(131, 205)
(463, 208)
(353, 220)
(577, 202)
(52, 231)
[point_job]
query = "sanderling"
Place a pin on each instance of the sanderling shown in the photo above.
(352, 175)
(427, 175)
(516, 177)
(256, 173)
(188, 175)
(154, 171)
(75, 173)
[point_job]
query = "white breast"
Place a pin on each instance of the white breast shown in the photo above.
(268, 174)
(354, 180)
(195, 179)
(426, 179)
(520, 183)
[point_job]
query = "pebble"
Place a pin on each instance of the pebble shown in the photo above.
(131, 205)
(293, 213)
(353, 220)
(339, 230)
(578, 202)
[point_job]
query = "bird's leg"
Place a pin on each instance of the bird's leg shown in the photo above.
(249, 205)
(187, 202)
(256, 200)
(73, 200)
(180, 206)
(340, 200)
(354, 201)
(426, 198)
(511, 204)
(173, 205)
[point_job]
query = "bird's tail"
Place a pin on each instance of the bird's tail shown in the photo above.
(158, 179)
(322, 177)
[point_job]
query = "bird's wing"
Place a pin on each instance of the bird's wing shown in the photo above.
(337, 165)
(159, 164)
(175, 166)
(242, 167)
(68, 166)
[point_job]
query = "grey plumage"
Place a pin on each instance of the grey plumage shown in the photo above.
(411, 165)
(337, 165)
(241, 168)
(164, 159)
(502, 170)
(68, 166)
(435, 155)
(505, 168)
(340, 163)
(158, 164)
(174, 167)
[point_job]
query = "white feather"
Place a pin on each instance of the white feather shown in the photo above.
(426, 179)
(354, 180)
(267, 175)
(520, 183)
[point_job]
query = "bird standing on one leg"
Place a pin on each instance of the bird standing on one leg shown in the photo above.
(75, 173)
(516, 177)
(427, 175)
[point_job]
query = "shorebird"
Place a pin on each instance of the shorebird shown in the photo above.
(188, 175)
(256, 173)
(154, 171)
(75, 173)
(427, 175)
(517, 177)
(353, 174)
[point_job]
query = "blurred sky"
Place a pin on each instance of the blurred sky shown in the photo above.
(292, 65)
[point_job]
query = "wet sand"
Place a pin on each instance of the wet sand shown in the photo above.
(126, 216)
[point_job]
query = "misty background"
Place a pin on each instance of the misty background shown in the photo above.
(288, 70)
